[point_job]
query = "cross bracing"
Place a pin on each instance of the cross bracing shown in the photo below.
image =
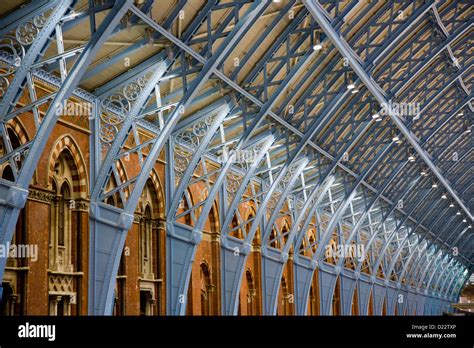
(355, 118)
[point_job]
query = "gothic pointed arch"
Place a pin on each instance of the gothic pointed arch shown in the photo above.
(66, 145)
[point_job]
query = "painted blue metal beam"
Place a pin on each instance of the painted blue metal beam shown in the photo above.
(380, 191)
(272, 259)
(403, 31)
(110, 249)
(370, 206)
(361, 219)
(266, 107)
(434, 260)
(128, 76)
(420, 240)
(355, 64)
(450, 280)
(426, 265)
(189, 51)
(394, 233)
(446, 276)
(102, 225)
(432, 134)
(315, 9)
(16, 193)
(250, 97)
(230, 299)
(431, 243)
(26, 13)
(428, 244)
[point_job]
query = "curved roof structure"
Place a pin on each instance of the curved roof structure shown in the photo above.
(350, 117)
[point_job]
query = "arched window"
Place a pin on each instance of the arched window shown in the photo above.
(8, 174)
(371, 304)
(146, 302)
(206, 288)
(110, 200)
(65, 239)
(332, 258)
(17, 157)
(308, 243)
(213, 221)
(355, 303)
(119, 300)
(273, 238)
(14, 280)
(302, 249)
(252, 292)
(314, 300)
(145, 243)
(184, 209)
(64, 221)
(150, 264)
(7, 305)
(366, 264)
(14, 290)
(312, 240)
(284, 232)
(14, 141)
(250, 296)
(147, 288)
(114, 199)
(60, 238)
(236, 232)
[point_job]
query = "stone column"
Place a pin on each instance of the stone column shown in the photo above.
(53, 305)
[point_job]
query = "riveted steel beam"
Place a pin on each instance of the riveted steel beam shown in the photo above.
(315, 9)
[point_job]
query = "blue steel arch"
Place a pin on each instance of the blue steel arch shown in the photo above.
(117, 235)
(307, 126)
(17, 193)
(432, 135)
(326, 31)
